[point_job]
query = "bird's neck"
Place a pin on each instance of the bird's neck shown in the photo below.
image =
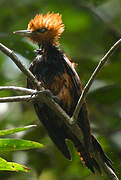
(49, 46)
(51, 51)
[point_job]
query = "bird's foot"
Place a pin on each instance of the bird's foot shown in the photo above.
(46, 93)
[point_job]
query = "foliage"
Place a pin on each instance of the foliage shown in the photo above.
(10, 166)
(89, 33)
(14, 145)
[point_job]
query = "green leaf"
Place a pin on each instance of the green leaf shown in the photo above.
(15, 130)
(11, 166)
(18, 144)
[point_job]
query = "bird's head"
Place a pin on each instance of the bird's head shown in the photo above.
(44, 29)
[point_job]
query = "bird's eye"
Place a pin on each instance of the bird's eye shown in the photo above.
(42, 30)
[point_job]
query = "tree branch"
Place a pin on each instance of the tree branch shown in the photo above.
(46, 97)
(91, 80)
(17, 98)
(20, 89)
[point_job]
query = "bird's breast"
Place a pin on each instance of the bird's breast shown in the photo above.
(56, 79)
(62, 87)
(51, 71)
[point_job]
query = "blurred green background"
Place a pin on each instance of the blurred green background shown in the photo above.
(91, 28)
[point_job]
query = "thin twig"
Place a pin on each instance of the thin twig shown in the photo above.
(20, 89)
(91, 80)
(20, 65)
(17, 98)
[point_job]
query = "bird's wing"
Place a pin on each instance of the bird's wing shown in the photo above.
(83, 120)
(72, 72)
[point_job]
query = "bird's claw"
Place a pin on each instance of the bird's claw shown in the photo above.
(50, 94)
(46, 93)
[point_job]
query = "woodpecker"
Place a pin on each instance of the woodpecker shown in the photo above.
(55, 71)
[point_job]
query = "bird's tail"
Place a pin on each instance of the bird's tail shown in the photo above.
(94, 158)
(99, 153)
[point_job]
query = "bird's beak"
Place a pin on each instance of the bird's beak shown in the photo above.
(26, 33)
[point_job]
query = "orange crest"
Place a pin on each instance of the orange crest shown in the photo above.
(52, 22)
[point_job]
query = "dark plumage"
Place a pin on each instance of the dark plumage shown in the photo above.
(56, 72)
